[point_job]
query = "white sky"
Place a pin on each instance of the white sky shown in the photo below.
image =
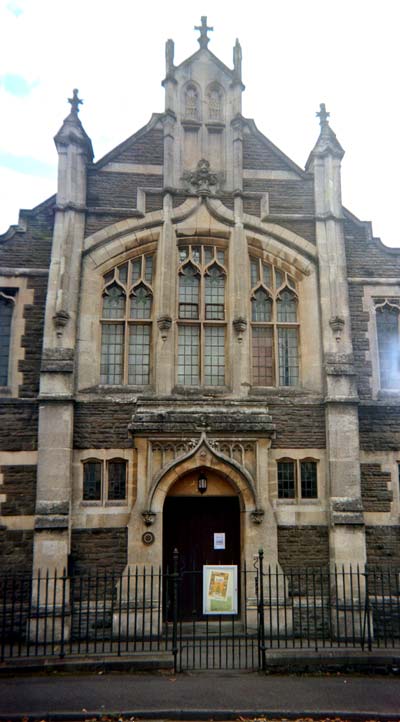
(296, 54)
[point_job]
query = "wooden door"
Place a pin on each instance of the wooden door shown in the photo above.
(189, 526)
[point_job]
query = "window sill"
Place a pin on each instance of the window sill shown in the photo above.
(201, 390)
(297, 502)
(5, 391)
(104, 504)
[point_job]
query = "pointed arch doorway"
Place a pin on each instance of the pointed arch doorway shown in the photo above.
(205, 528)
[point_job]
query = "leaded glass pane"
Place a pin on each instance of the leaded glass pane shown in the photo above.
(387, 321)
(261, 306)
(214, 293)
(112, 352)
(308, 473)
(267, 274)
(286, 479)
(123, 273)
(279, 278)
(6, 311)
(214, 356)
(139, 355)
(254, 272)
(116, 480)
(288, 357)
(196, 253)
(148, 273)
(92, 481)
(183, 253)
(189, 284)
(189, 356)
(141, 301)
(221, 256)
(136, 270)
(263, 357)
(208, 254)
(114, 302)
(286, 307)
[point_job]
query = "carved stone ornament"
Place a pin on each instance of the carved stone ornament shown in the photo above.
(148, 517)
(164, 323)
(202, 181)
(337, 325)
(60, 320)
(257, 516)
(148, 538)
(240, 325)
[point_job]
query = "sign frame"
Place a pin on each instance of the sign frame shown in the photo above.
(220, 589)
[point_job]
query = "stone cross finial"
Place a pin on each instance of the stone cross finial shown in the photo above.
(323, 115)
(203, 40)
(75, 102)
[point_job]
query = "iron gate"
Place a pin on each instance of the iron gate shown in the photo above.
(109, 613)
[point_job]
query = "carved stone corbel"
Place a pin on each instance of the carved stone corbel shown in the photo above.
(148, 517)
(240, 325)
(257, 516)
(164, 323)
(337, 325)
(60, 320)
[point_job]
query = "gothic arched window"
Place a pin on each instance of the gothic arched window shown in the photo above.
(275, 328)
(215, 102)
(192, 104)
(6, 313)
(126, 323)
(388, 331)
(201, 314)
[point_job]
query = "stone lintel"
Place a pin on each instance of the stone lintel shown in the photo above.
(51, 523)
(52, 507)
(347, 510)
(194, 416)
(58, 360)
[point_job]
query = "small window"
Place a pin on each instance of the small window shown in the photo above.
(105, 480)
(116, 480)
(297, 479)
(92, 478)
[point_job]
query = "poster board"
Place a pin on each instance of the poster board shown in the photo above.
(220, 593)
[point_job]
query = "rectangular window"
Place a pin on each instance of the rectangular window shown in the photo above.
(387, 322)
(288, 357)
(308, 474)
(139, 355)
(286, 479)
(117, 480)
(189, 356)
(112, 350)
(92, 478)
(263, 356)
(214, 356)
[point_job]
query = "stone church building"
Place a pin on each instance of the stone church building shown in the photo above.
(197, 337)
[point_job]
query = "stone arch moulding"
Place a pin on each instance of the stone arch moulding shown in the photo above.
(205, 456)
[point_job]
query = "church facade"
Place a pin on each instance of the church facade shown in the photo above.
(197, 339)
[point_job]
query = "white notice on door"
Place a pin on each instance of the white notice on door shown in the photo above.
(219, 540)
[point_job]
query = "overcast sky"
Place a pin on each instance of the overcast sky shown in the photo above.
(296, 54)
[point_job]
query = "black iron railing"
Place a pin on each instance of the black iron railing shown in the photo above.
(144, 609)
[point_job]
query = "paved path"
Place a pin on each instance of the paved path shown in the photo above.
(198, 696)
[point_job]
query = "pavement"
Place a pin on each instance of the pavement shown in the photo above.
(199, 696)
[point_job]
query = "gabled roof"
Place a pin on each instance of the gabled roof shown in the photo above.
(112, 154)
(274, 149)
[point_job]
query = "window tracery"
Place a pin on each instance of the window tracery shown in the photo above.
(201, 314)
(275, 327)
(126, 323)
(215, 103)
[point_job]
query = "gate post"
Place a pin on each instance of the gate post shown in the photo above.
(175, 582)
(261, 620)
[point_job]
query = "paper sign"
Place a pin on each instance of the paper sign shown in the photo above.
(220, 590)
(219, 540)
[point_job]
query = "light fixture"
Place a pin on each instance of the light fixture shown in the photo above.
(202, 483)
